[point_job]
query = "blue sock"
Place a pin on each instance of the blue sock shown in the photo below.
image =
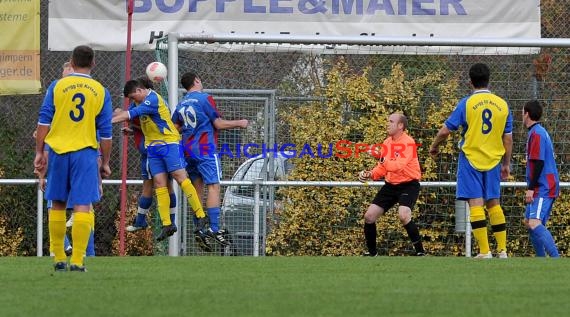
(144, 205)
(91, 245)
(547, 240)
(141, 219)
(66, 243)
(173, 219)
(214, 217)
(172, 200)
(145, 202)
(537, 244)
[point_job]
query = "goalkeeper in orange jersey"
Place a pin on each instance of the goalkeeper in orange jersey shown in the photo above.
(400, 168)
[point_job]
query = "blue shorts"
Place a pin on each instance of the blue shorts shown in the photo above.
(207, 167)
(145, 168)
(539, 209)
(50, 203)
(165, 158)
(472, 183)
(73, 177)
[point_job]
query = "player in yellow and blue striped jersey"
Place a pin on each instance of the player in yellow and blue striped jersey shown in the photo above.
(164, 150)
(74, 109)
(484, 157)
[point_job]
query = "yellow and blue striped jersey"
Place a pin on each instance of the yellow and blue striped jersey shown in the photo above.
(155, 121)
(76, 107)
(484, 117)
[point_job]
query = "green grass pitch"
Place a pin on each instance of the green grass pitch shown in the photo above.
(287, 286)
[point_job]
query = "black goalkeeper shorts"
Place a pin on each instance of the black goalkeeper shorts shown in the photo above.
(405, 194)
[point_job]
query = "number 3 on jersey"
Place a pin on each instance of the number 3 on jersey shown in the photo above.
(79, 100)
(487, 125)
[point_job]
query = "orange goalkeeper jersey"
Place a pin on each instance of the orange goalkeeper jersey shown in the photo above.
(400, 163)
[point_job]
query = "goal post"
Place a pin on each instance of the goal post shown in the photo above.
(330, 89)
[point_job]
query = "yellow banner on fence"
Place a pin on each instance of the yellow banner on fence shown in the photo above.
(19, 47)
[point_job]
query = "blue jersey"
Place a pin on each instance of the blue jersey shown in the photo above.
(196, 114)
(539, 147)
(484, 117)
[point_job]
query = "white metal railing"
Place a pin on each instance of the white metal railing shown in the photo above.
(257, 185)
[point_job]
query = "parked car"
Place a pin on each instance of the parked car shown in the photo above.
(238, 203)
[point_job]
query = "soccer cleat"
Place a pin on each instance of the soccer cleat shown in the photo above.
(77, 268)
(60, 267)
(136, 226)
(202, 241)
(68, 250)
(166, 232)
(370, 254)
(420, 254)
(503, 255)
(487, 255)
(217, 236)
(69, 222)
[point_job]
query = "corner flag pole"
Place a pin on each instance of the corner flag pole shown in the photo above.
(130, 8)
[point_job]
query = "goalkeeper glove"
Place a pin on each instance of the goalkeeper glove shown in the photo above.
(364, 176)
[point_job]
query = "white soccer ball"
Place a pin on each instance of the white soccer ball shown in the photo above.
(156, 71)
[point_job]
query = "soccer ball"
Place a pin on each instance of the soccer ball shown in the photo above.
(156, 71)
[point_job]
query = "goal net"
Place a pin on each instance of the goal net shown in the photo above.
(314, 103)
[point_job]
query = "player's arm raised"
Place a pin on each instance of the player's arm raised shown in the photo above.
(441, 136)
(222, 124)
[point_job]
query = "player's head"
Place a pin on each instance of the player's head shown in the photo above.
(135, 90)
(479, 75)
(66, 69)
(397, 123)
(82, 57)
(532, 111)
(191, 81)
(146, 82)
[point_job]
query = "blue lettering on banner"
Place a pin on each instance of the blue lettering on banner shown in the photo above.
(193, 7)
(145, 6)
(374, 6)
(248, 7)
(311, 7)
(347, 6)
(275, 8)
(444, 7)
(162, 6)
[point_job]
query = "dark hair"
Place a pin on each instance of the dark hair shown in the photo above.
(131, 86)
(534, 110)
(187, 80)
(479, 75)
(146, 82)
(82, 56)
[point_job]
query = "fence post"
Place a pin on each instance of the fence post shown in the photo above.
(256, 217)
(462, 224)
(40, 223)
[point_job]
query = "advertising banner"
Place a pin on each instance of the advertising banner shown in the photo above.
(19, 47)
(103, 25)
